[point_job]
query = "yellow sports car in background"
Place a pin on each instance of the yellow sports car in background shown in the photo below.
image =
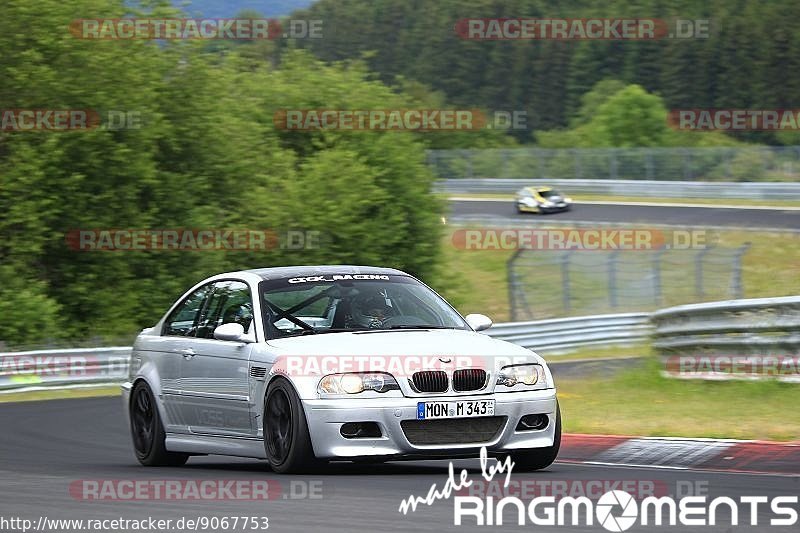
(541, 200)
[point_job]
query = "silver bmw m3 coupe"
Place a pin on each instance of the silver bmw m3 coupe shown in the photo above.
(305, 365)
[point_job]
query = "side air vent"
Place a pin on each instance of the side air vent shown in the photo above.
(258, 372)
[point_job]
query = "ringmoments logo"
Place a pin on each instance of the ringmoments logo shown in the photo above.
(616, 499)
(615, 510)
(618, 510)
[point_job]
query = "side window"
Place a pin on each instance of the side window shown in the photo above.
(183, 320)
(229, 301)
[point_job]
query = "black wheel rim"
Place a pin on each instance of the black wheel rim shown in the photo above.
(143, 421)
(278, 425)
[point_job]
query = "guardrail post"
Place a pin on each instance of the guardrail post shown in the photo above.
(698, 272)
(565, 280)
(512, 285)
(657, 294)
(612, 278)
(736, 275)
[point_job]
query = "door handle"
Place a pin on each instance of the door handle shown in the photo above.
(187, 353)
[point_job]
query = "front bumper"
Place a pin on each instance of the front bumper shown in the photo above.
(325, 419)
(542, 209)
(554, 208)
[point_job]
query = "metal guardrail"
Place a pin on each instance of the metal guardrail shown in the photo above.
(770, 322)
(34, 370)
(754, 327)
(629, 188)
(63, 368)
(567, 333)
(730, 338)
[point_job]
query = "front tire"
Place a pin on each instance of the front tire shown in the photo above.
(539, 458)
(287, 441)
(147, 431)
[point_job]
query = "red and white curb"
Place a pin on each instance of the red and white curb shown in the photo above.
(725, 455)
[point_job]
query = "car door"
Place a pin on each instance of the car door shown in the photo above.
(173, 344)
(214, 381)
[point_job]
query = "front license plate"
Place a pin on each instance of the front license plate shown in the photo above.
(461, 409)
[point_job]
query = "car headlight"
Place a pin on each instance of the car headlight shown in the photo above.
(548, 203)
(357, 382)
(527, 200)
(522, 375)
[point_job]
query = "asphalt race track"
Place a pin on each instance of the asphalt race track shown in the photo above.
(682, 216)
(48, 446)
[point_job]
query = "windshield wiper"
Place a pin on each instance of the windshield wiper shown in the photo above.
(409, 326)
(300, 332)
(321, 331)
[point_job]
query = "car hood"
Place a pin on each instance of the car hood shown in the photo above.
(444, 343)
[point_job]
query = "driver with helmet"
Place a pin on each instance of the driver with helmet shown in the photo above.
(371, 310)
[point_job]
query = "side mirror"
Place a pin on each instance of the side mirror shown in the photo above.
(232, 331)
(478, 322)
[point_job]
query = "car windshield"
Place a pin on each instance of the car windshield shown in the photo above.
(352, 302)
(548, 194)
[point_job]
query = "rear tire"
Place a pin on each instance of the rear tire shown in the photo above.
(539, 458)
(287, 441)
(147, 431)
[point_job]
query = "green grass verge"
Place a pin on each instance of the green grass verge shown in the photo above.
(476, 281)
(642, 402)
(59, 394)
(612, 352)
